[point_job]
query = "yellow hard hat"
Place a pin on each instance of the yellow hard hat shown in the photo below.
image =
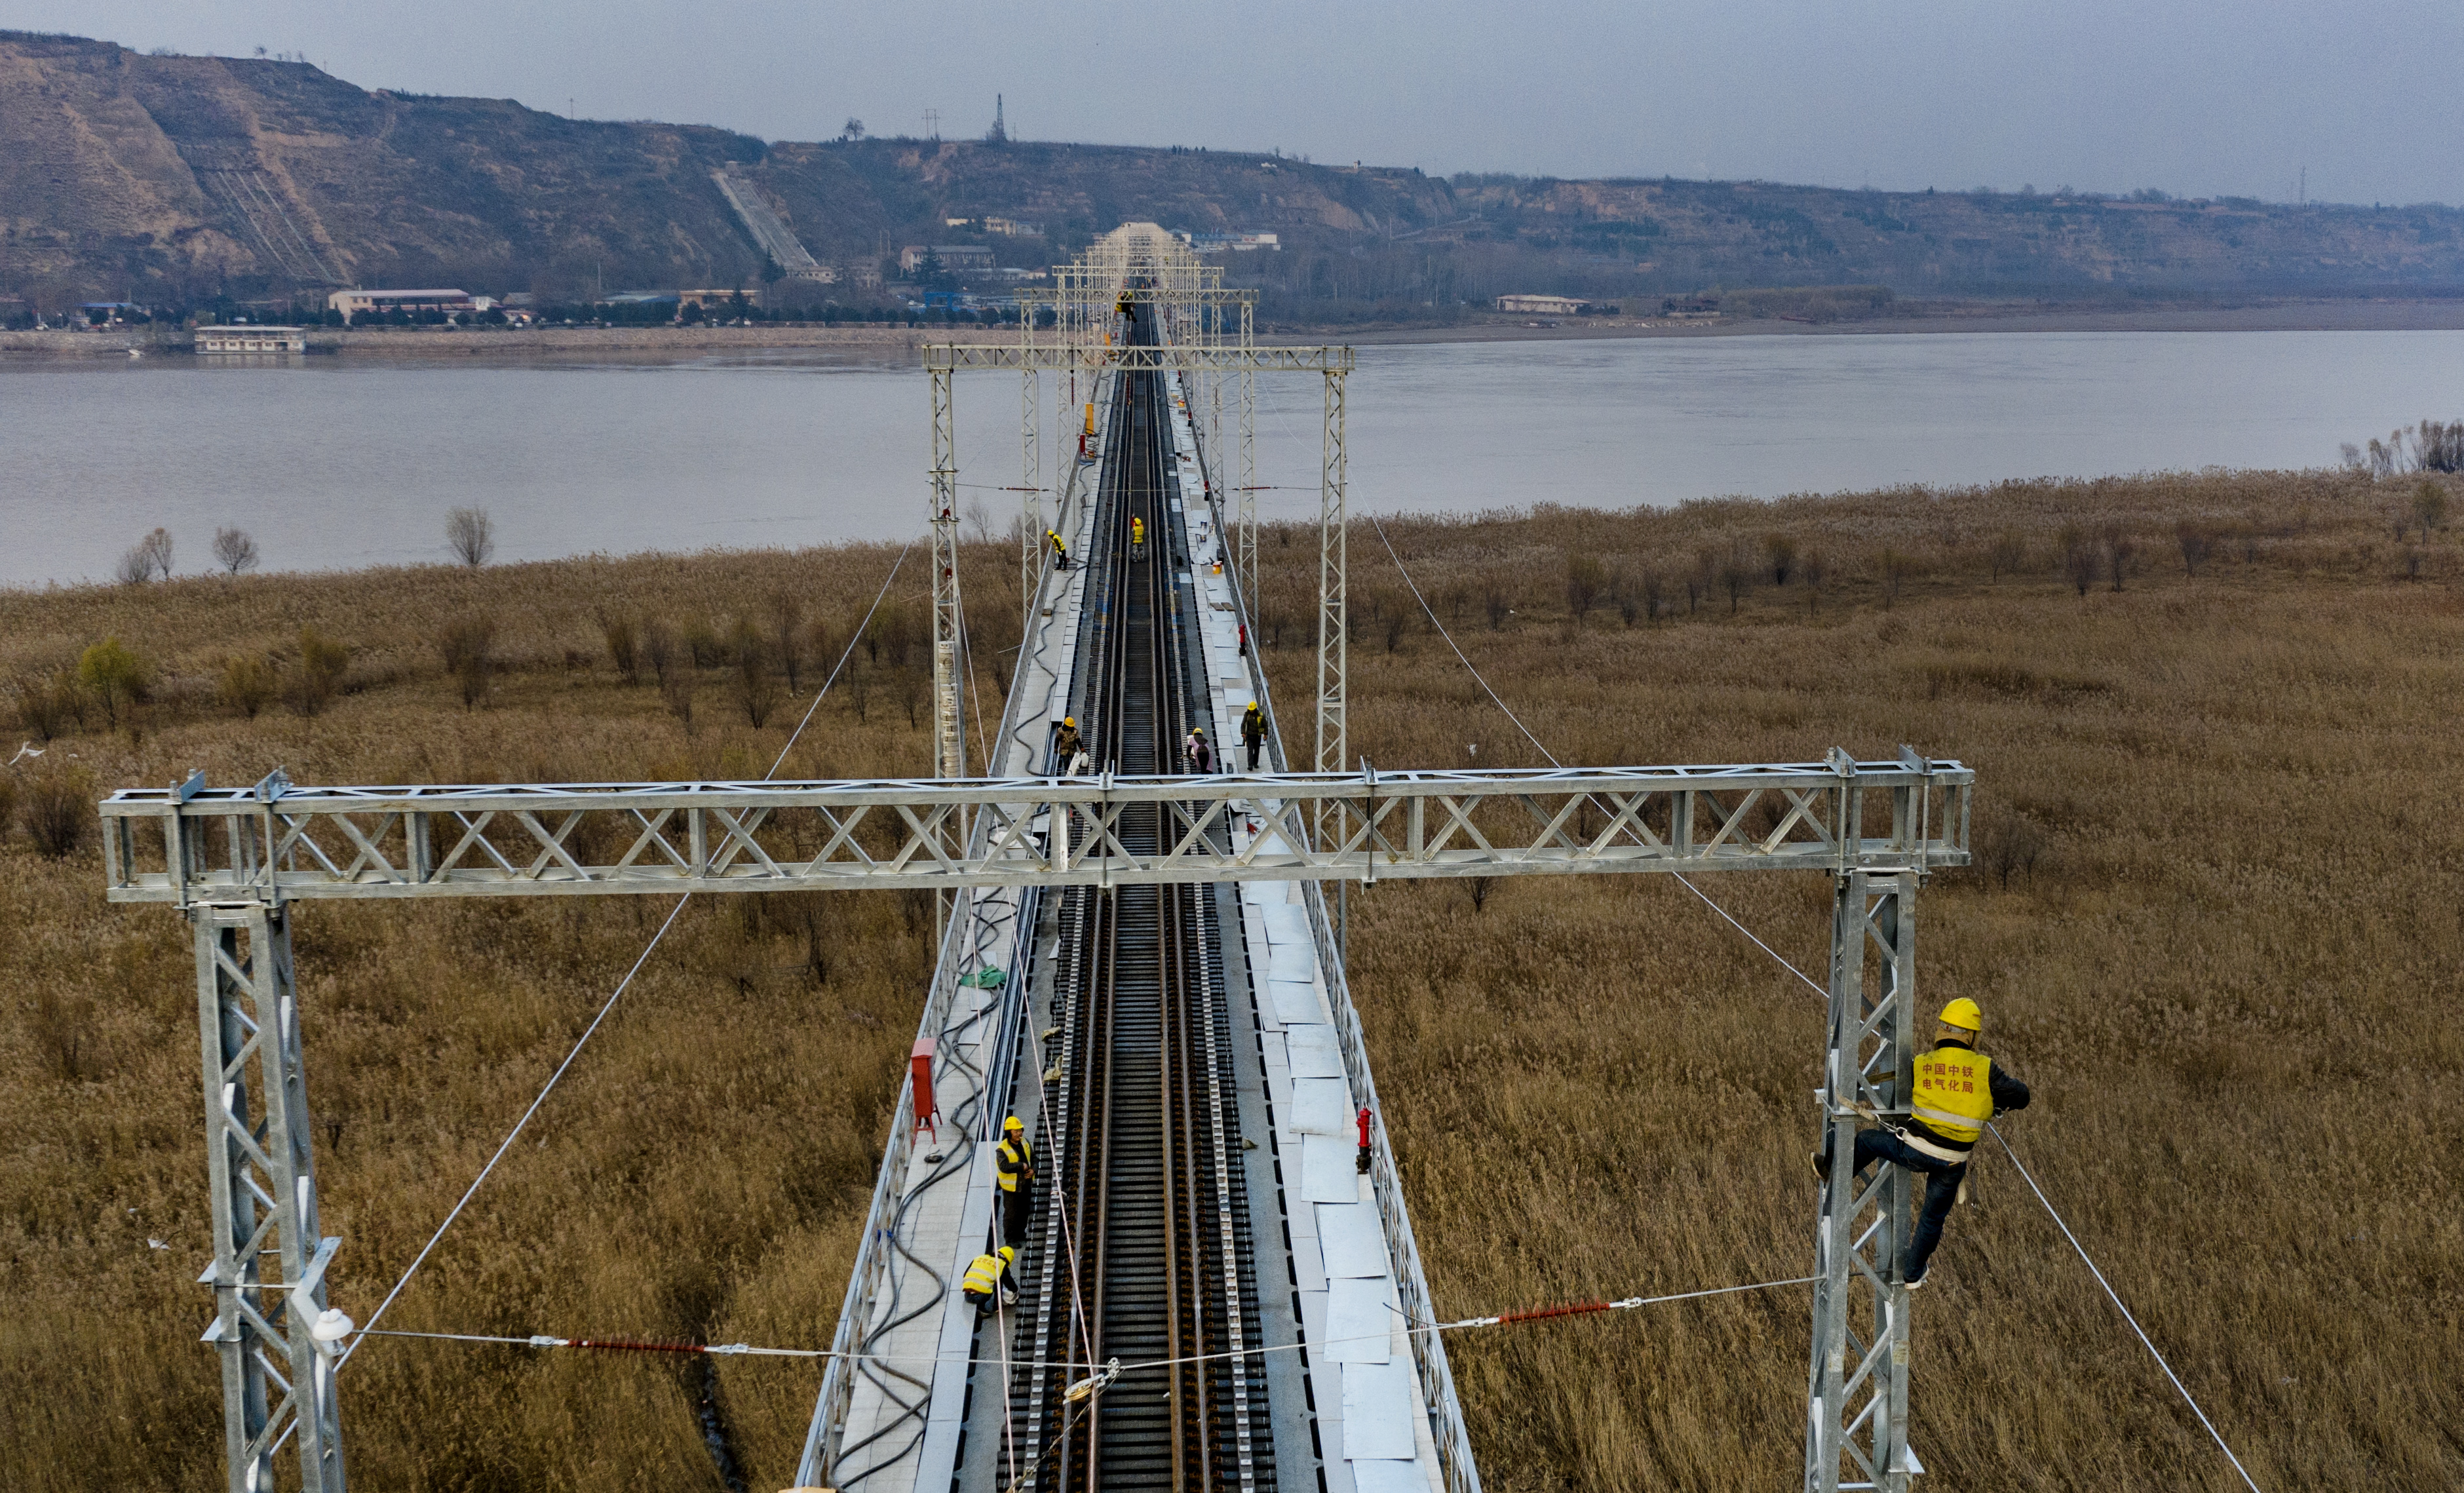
(1197, 731)
(1963, 1013)
(1013, 1122)
(1008, 1254)
(1069, 720)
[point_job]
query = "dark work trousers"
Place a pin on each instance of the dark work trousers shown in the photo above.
(1254, 747)
(1942, 1190)
(1015, 1207)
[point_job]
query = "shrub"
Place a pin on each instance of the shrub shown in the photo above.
(246, 684)
(58, 813)
(115, 675)
(466, 645)
(322, 663)
(659, 648)
(624, 649)
(756, 692)
(45, 706)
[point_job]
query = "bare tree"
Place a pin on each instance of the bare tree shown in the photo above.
(471, 534)
(149, 559)
(787, 638)
(2007, 555)
(1894, 566)
(2118, 552)
(2079, 560)
(235, 551)
(2429, 505)
(1780, 551)
(1586, 579)
(1736, 577)
(2197, 543)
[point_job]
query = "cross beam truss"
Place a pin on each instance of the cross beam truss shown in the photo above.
(1170, 357)
(276, 842)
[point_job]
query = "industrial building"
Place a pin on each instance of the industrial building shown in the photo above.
(1542, 305)
(356, 303)
(953, 256)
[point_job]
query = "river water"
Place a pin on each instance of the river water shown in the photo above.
(335, 462)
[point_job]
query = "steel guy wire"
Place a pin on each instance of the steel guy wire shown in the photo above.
(615, 995)
(2049, 1211)
(2115, 1296)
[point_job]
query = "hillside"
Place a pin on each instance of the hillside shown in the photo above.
(170, 180)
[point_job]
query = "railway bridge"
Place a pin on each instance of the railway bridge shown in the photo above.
(1219, 1286)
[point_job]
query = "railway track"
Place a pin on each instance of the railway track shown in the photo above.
(1140, 1248)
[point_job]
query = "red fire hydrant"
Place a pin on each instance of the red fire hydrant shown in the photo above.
(1360, 1162)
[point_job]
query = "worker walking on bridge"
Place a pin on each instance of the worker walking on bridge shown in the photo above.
(1958, 1090)
(1066, 746)
(1253, 732)
(1137, 536)
(1200, 756)
(1059, 551)
(1014, 1169)
(988, 1281)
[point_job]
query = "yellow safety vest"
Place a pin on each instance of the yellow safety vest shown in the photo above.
(1009, 1159)
(983, 1277)
(1954, 1094)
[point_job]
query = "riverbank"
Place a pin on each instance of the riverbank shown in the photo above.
(1919, 318)
(520, 341)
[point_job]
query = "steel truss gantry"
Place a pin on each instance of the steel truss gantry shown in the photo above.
(235, 860)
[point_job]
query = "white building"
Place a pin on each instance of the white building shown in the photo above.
(252, 340)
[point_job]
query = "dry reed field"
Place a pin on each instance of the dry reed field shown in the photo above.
(2216, 928)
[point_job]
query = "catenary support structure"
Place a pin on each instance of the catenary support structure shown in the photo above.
(239, 861)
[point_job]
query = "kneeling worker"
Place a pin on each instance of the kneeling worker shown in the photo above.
(987, 1282)
(1958, 1089)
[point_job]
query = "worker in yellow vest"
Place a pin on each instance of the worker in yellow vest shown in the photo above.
(988, 1281)
(1958, 1090)
(1137, 536)
(1014, 1169)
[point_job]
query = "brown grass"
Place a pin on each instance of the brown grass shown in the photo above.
(2227, 965)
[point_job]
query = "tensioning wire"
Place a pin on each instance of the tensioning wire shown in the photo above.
(1146, 1365)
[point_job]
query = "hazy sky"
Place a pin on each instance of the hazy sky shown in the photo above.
(2198, 99)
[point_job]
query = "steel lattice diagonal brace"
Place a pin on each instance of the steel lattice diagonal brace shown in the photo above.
(275, 1337)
